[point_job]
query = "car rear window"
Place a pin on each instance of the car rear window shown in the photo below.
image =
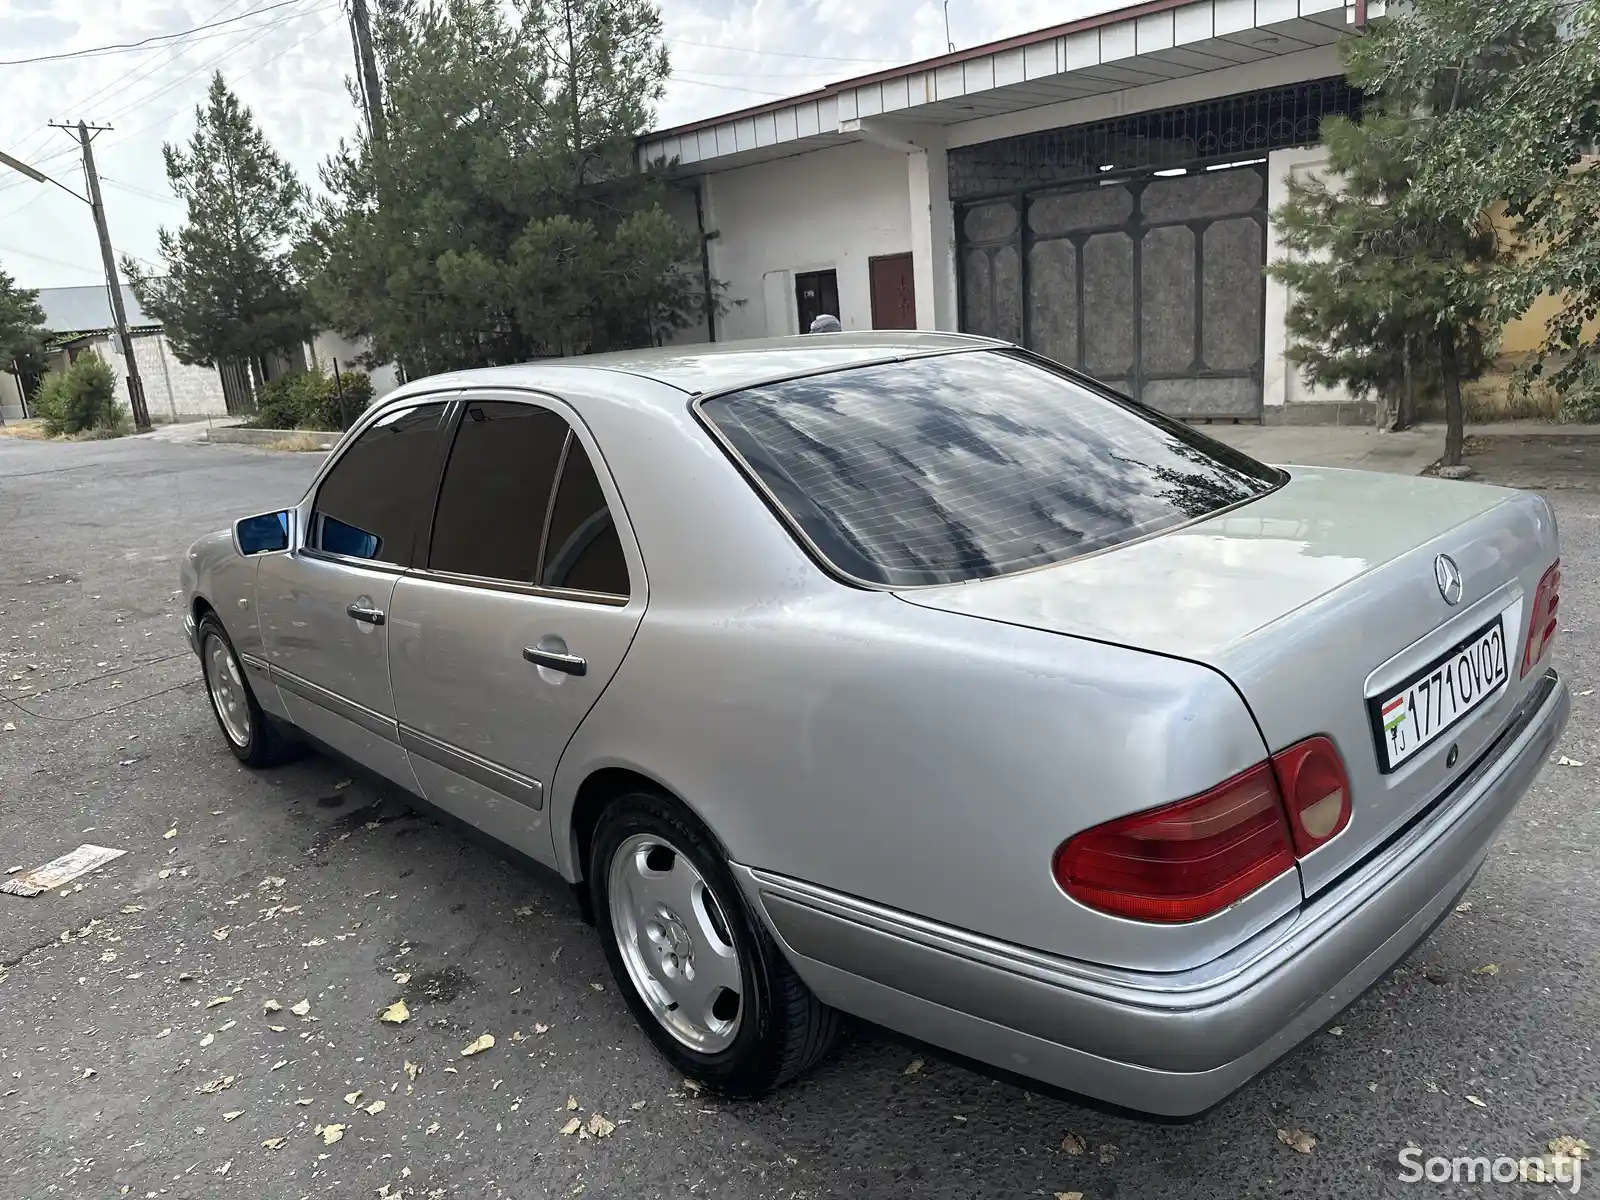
(966, 466)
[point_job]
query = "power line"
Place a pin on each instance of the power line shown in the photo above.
(774, 53)
(728, 87)
(55, 262)
(241, 75)
(122, 47)
(132, 75)
(135, 190)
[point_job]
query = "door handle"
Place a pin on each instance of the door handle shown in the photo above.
(368, 616)
(570, 664)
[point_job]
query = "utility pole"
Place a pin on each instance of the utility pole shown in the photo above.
(141, 414)
(366, 60)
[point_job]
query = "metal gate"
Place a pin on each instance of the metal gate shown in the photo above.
(1153, 285)
(1132, 248)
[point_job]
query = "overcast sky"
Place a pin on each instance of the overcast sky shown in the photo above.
(289, 65)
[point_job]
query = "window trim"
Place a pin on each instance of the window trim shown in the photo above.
(837, 573)
(308, 503)
(634, 562)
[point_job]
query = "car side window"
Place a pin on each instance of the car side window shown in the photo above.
(374, 502)
(582, 550)
(496, 491)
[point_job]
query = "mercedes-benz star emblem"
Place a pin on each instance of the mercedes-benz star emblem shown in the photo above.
(1448, 576)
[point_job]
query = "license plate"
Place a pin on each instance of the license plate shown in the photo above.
(1440, 696)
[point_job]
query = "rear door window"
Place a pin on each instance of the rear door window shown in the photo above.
(582, 550)
(375, 501)
(496, 491)
(966, 466)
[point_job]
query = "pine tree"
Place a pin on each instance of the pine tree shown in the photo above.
(1387, 297)
(22, 335)
(502, 218)
(229, 292)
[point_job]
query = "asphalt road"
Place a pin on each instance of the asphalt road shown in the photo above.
(117, 1076)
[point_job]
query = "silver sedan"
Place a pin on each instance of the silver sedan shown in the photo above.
(912, 677)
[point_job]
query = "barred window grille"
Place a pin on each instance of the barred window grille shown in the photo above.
(1220, 130)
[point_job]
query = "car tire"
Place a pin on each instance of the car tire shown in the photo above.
(641, 847)
(256, 739)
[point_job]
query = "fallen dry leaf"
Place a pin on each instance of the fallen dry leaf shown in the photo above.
(274, 1143)
(572, 1103)
(1074, 1145)
(330, 1133)
(431, 1129)
(220, 1084)
(233, 1116)
(1589, 692)
(1297, 1139)
(376, 1107)
(401, 978)
(1572, 1147)
(637, 1105)
(351, 1097)
(599, 1126)
(912, 1067)
(219, 1001)
(271, 1006)
(479, 1045)
(572, 1126)
(171, 833)
(303, 1100)
(396, 1014)
(279, 1065)
(9, 727)
(599, 987)
(412, 1070)
(165, 1033)
(1478, 1102)
(1069, 1196)
(128, 910)
(272, 881)
(538, 1028)
(208, 1039)
(1464, 907)
(1564, 761)
(1337, 1030)
(1487, 969)
(301, 1009)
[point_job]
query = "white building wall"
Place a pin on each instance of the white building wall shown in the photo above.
(830, 209)
(10, 397)
(172, 389)
(329, 346)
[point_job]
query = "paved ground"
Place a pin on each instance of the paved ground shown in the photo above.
(116, 1077)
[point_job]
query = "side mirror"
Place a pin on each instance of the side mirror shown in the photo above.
(263, 534)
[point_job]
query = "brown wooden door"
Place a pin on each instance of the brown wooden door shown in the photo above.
(894, 296)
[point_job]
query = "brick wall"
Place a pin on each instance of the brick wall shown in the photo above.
(171, 389)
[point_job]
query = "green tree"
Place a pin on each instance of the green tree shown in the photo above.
(22, 334)
(1532, 68)
(502, 217)
(1387, 297)
(228, 292)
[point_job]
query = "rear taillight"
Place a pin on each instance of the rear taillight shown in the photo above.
(1185, 860)
(1542, 621)
(1316, 792)
(1188, 860)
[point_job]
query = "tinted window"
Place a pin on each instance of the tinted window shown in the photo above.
(971, 465)
(583, 551)
(496, 491)
(375, 501)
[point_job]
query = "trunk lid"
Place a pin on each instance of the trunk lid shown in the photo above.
(1313, 600)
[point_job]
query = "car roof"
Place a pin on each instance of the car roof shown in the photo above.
(722, 366)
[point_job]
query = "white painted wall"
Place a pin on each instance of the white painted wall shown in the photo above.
(1282, 382)
(328, 346)
(832, 208)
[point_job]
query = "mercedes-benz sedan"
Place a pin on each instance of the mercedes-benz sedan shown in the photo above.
(913, 677)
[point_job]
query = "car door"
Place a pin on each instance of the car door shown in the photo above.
(531, 593)
(324, 606)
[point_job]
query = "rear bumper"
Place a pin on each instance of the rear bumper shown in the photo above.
(1171, 1044)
